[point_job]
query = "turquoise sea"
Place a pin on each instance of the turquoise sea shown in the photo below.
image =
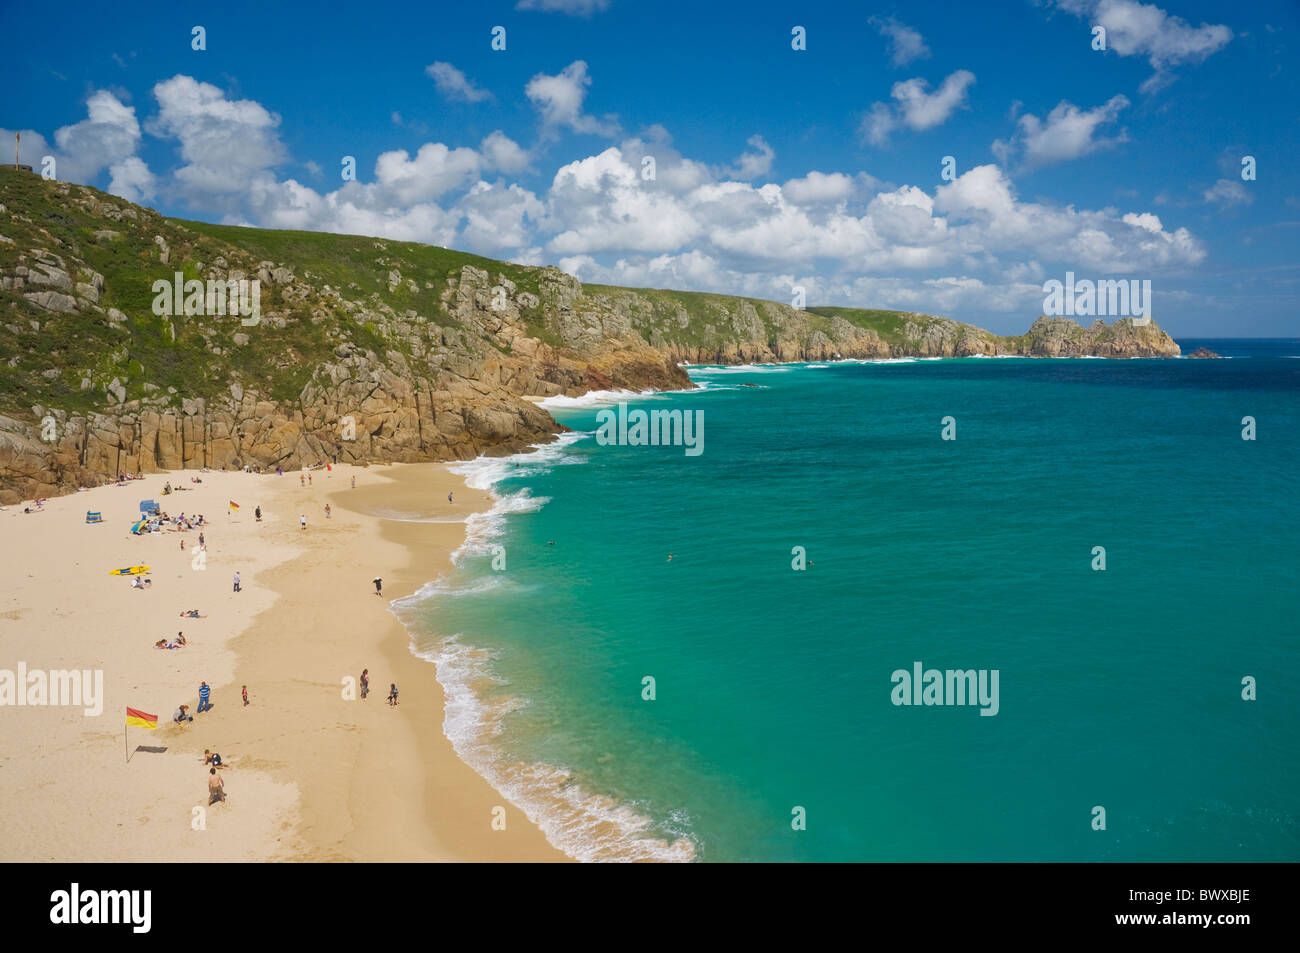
(1118, 688)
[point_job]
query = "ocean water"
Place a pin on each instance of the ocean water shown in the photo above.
(773, 687)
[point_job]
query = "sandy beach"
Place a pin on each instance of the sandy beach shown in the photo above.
(313, 773)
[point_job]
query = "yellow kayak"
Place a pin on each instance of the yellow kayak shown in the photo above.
(129, 571)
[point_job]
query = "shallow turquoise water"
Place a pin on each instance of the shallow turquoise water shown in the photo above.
(1118, 688)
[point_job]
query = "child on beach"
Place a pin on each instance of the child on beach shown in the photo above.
(245, 694)
(216, 787)
(354, 483)
(379, 586)
(182, 715)
(392, 695)
(212, 758)
(302, 520)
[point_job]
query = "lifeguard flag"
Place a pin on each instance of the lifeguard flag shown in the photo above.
(234, 505)
(143, 720)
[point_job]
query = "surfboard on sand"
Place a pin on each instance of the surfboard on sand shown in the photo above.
(129, 571)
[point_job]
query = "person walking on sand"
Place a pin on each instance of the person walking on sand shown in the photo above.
(449, 497)
(245, 694)
(204, 693)
(392, 695)
(302, 480)
(216, 787)
(327, 511)
(365, 682)
(309, 479)
(236, 580)
(302, 520)
(379, 586)
(258, 513)
(203, 544)
(354, 483)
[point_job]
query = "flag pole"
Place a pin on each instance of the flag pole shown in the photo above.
(126, 745)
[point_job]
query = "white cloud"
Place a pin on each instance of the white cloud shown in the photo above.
(753, 164)
(915, 107)
(453, 84)
(819, 188)
(131, 179)
(434, 171)
(109, 134)
(905, 43)
(498, 216)
(502, 153)
(1228, 193)
(224, 143)
(559, 99)
(1067, 133)
(1142, 29)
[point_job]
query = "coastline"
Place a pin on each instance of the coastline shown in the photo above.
(310, 776)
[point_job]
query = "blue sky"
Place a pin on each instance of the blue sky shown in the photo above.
(774, 167)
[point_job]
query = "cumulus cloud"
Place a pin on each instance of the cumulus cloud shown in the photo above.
(453, 84)
(108, 135)
(1228, 193)
(559, 100)
(1068, 133)
(502, 153)
(916, 107)
(498, 216)
(131, 179)
(970, 245)
(752, 164)
(433, 171)
(819, 188)
(1142, 29)
(905, 43)
(224, 144)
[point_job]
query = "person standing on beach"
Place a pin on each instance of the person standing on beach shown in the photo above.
(365, 682)
(236, 580)
(379, 586)
(309, 479)
(392, 695)
(216, 787)
(258, 513)
(302, 520)
(327, 511)
(204, 693)
(448, 497)
(354, 483)
(302, 480)
(245, 694)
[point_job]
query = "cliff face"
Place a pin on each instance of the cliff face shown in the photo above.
(362, 349)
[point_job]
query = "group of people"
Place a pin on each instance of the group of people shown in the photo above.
(365, 688)
(176, 643)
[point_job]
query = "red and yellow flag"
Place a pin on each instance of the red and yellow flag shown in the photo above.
(141, 719)
(234, 505)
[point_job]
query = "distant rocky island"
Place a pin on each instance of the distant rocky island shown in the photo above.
(362, 349)
(1205, 352)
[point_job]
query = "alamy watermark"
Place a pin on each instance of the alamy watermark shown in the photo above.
(215, 296)
(1103, 298)
(952, 687)
(653, 428)
(68, 688)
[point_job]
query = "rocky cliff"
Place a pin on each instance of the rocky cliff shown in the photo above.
(359, 349)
